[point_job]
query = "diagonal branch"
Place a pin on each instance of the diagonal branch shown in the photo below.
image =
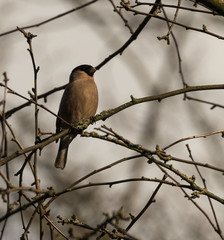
(202, 30)
(150, 201)
(28, 103)
(214, 5)
(83, 124)
(133, 36)
(50, 19)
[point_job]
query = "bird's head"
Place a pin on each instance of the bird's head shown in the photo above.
(82, 69)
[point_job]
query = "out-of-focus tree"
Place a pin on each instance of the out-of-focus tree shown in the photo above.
(154, 169)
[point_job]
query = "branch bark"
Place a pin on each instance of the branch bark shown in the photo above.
(106, 114)
(214, 5)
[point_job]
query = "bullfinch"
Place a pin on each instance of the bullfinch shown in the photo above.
(79, 101)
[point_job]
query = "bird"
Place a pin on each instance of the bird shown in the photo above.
(79, 101)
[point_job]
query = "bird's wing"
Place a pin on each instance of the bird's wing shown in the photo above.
(58, 125)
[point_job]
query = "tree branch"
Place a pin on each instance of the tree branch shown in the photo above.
(83, 124)
(214, 5)
(133, 36)
(50, 19)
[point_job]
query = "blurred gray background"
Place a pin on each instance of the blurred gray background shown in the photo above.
(147, 67)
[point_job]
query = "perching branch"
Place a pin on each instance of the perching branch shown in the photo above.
(106, 114)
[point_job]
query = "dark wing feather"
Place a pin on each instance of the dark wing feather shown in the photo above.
(58, 126)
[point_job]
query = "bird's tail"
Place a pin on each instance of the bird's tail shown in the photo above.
(61, 158)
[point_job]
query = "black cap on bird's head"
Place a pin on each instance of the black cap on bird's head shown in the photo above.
(90, 70)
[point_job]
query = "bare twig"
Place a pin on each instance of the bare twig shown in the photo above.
(202, 30)
(29, 101)
(95, 172)
(165, 158)
(50, 19)
(205, 185)
(177, 50)
(29, 36)
(212, 12)
(214, 105)
(133, 36)
(170, 26)
(194, 137)
(121, 16)
(192, 200)
(3, 150)
(150, 201)
(33, 102)
(106, 114)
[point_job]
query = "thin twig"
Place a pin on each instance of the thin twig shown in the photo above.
(33, 102)
(150, 201)
(202, 30)
(106, 114)
(95, 172)
(205, 165)
(3, 151)
(205, 185)
(194, 137)
(121, 16)
(29, 36)
(178, 52)
(10, 112)
(192, 200)
(123, 231)
(48, 219)
(133, 36)
(214, 105)
(212, 12)
(50, 19)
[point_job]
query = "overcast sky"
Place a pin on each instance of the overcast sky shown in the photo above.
(147, 67)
